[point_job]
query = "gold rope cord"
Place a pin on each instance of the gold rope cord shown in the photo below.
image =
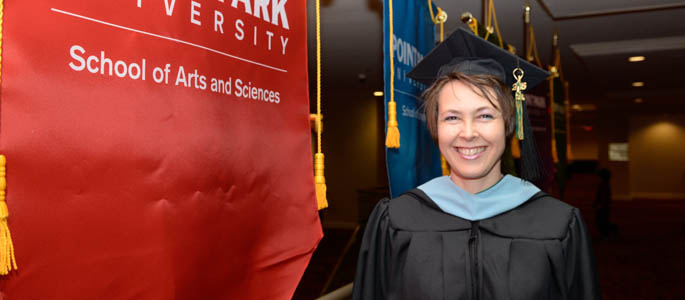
(319, 179)
(392, 138)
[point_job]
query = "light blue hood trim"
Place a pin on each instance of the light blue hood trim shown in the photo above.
(505, 195)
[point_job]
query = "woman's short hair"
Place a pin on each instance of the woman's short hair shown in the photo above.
(488, 86)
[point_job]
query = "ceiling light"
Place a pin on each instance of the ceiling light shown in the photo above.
(638, 100)
(636, 58)
(378, 94)
(638, 84)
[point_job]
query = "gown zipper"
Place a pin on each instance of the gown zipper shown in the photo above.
(473, 247)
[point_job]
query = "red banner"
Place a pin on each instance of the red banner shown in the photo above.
(157, 149)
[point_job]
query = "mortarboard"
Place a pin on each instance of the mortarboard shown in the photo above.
(467, 53)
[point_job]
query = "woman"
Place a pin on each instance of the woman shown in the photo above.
(477, 233)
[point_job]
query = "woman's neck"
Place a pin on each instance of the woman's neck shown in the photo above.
(475, 186)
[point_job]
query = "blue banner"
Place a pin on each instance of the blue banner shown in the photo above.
(413, 36)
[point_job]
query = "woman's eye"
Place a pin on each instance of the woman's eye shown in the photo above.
(451, 118)
(486, 116)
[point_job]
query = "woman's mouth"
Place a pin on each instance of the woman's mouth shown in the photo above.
(470, 152)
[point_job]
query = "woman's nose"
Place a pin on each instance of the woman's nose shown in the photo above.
(469, 131)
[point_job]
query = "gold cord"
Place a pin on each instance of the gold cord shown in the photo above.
(392, 138)
(319, 179)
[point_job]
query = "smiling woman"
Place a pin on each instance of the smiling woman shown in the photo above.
(471, 136)
(471, 117)
(477, 233)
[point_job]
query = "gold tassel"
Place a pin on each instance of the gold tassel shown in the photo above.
(519, 86)
(320, 181)
(519, 119)
(7, 260)
(392, 140)
(444, 165)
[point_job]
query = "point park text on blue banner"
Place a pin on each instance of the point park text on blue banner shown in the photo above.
(413, 36)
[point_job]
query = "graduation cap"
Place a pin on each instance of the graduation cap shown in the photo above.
(469, 54)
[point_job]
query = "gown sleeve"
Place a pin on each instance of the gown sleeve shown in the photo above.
(371, 279)
(581, 270)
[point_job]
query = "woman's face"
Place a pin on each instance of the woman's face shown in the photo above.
(471, 133)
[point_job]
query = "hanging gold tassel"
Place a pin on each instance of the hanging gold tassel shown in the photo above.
(518, 87)
(519, 119)
(319, 180)
(7, 259)
(392, 139)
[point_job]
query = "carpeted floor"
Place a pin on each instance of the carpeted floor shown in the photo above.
(645, 260)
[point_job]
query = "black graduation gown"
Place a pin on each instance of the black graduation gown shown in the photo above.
(413, 250)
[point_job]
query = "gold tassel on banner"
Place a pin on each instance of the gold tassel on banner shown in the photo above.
(319, 180)
(392, 138)
(7, 260)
